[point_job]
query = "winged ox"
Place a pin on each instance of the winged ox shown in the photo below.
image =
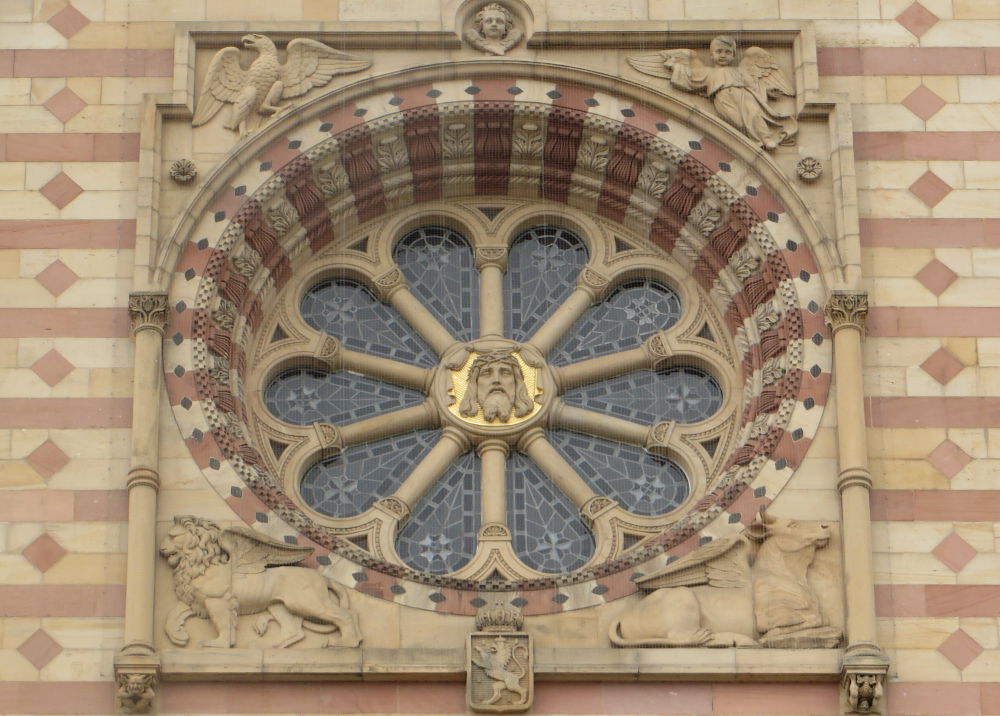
(740, 93)
(255, 92)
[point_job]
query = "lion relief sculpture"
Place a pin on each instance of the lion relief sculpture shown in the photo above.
(220, 574)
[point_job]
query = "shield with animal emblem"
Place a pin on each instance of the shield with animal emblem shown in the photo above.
(500, 672)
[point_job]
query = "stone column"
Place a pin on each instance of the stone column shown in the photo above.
(137, 664)
(865, 665)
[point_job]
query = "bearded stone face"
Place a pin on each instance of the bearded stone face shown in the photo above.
(496, 385)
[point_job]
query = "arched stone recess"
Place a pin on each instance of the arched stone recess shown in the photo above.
(679, 180)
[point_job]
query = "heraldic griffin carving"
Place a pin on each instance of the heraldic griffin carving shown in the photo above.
(255, 92)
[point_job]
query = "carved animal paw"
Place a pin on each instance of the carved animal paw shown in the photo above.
(260, 624)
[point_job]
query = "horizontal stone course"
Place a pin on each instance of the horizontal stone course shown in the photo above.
(936, 505)
(925, 412)
(87, 63)
(908, 60)
(930, 233)
(65, 412)
(62, 600)
(950, 146)
(64, 323)
(70, 147)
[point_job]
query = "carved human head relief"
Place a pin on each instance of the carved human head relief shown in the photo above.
(496, 386)
(493, 29)
(723, 49)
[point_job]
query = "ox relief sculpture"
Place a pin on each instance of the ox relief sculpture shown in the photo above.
(500, 676)
(741, 93)
(722, 594)
(255, 92)
(220, 574)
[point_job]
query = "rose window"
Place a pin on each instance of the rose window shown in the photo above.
(478, 409)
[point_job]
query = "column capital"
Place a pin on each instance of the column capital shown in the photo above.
(847, 309)
(147, 310)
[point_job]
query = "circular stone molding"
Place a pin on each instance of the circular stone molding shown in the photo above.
(684, 194)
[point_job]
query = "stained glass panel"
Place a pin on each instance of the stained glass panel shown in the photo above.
(682, 394)
(641, 482)
(347, 310)
(302, 396)
(627, 317)
(541, 273)
(348, 483)
(441, 534)
(439, 270)
(548, 532)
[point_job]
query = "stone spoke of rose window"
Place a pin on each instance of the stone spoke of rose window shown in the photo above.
(373, 366)
(561, 473)
(632, 313)
(594, 423)
(427, 472)
(438, 266)
(416, 417)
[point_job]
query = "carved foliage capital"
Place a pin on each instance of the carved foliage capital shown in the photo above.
(147, 310)
(491, 256)
(847, 309)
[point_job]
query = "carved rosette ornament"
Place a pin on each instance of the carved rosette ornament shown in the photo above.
(847, 309)
(499, 662)
(183, 171)
(809, 169)
(147, 310)
(135, 692)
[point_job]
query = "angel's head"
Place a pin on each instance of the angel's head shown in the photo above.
(723, 49)
(494, 21)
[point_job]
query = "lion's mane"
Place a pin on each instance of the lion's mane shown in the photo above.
(194, 552)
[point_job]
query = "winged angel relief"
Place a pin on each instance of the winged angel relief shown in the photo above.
(255, 92)
(740, 93)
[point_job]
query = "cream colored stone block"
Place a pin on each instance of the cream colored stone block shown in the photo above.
(977, 534)
(958, 260)
(589, 10)
(93, 444)
(895, 262)
(985, 668)
(897, 204)
(951, 33)
(26, 205)
(204, 503)
(919, 382)
(912, 568)
(98, 176)
(98, 263)
(916, 536)
(836, 33)
(24, 384)
(902, 352)
(182, 10)
(110, 382)
(84, 633)
(422, 628)
(914, 443)
(892, 8)
(105, 118)
(923, 665)
(976, 9)
(101, 204)
(401, 10)
(900, 292)
(127, 90)
(982, 175)
(814, 505)
(29, 119)
(16, 11)
(726, 9)
(17, 629)
(87, 569)
(977, 475)
(15, 90)
(79, 665)
(982, 629)
(10, 263)
(971, 440)
(817, 9)
(42, 88)
(15, 667)
(90, 537)
(911, 633)
(34, 36)
(579, 628)
(8, 356)
(965, 118)
(993, 442)
(989, 351)
(320, 9)
(254, 10)
(17, 570)
(858, 89)
(12, 175)
(105, 292)
(906, 475)
(888, 175)
(979, 89)
(104, 474)
(944, 86)
(971, 292)
(886, 118)
(981, 569)
(87, 88)
(666, 9)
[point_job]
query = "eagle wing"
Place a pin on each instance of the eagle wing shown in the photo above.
(761, 71)
(311, 64)
(660, 64)
(223, 83)
(250, 552)
(716, 563)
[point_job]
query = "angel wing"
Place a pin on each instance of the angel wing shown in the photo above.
(761, 72)
(717, 563)
(661, 64)
(311, 64)
(223, 83)
(250, 552)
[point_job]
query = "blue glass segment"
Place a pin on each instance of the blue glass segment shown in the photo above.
(541, 273)
(303, 396)
(347, 310)
(347, 484)
(643, 483)
(681, 394)
(441, 534)
(439, 270)
(548, 532)
(631, 314)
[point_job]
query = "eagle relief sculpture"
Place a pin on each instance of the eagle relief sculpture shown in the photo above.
(741, 93)
(255, 92)
(221, 574)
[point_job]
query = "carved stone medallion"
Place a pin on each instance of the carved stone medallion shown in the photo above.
(500, 676)
(496, 387)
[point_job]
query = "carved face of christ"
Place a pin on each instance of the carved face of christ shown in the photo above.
(495, 387)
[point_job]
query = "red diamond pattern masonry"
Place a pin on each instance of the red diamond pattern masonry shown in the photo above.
(949, 459)
(923, 102)
(61, 190)
(69, 21)
(960, 649)
(917, 19)
(57, 277)
(47, 459)
(936, 277)
(954, 552)
(43, 553)
(52, 367)
(65, 104)
(40, 649)
(930, 189)
(942, 366)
